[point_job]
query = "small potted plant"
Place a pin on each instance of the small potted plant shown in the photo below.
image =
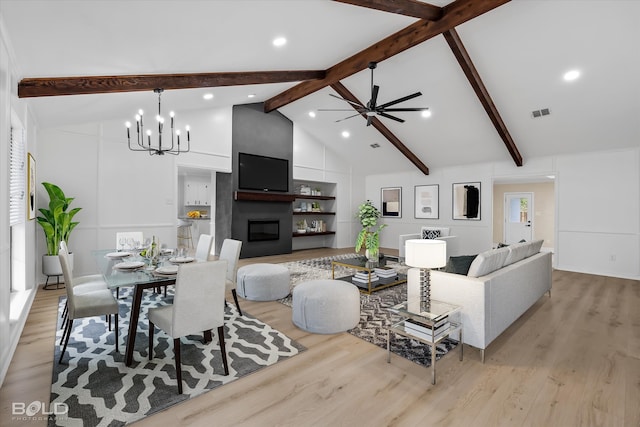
(302, 226)
(369, 236)
(57, 224)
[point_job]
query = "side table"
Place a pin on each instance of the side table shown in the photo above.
(429, 325)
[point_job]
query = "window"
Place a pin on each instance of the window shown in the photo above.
(17, 168)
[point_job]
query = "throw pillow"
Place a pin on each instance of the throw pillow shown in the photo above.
(459, 264)
(502, 245)
(430, 234)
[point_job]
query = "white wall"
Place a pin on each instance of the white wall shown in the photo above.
(597, 208)
(121, 190)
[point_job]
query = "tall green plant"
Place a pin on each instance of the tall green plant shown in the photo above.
(56, 222)
(368, 236)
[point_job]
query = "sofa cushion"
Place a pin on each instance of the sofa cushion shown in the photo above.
(430, 234)
(534, 247)
(459, 264)
(488, 261)
(517, 252)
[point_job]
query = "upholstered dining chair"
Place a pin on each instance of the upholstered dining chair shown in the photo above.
(203, 249)
(230, 251)
(198, 306)
(82, 304)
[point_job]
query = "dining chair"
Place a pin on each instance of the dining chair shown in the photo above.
(92, 303)
(203, 250)
(123, 238)
(198, 306)
(230, 251)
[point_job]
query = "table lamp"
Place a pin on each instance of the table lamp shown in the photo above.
(424, 254)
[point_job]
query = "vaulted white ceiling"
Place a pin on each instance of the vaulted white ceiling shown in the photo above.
(521, 51)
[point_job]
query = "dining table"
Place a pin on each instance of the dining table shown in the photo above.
(128, 269)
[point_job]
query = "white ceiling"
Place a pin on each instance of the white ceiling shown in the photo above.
(520, 49)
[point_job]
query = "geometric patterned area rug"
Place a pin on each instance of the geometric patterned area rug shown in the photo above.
(375, 317)
(100, 390)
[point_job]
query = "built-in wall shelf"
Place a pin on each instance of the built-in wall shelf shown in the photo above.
(263, 197)
(314, 213)
(309, 197)
(313, 233)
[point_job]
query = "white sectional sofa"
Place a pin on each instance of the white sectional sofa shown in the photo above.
(500, 286)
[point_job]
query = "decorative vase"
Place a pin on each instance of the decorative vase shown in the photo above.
(51, 265)
(372, 254)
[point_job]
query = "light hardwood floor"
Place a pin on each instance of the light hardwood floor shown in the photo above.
(571, 360)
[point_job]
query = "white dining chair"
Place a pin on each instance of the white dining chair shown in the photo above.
(92, 303)
(198, 307)
(203, 250)
(230, 252)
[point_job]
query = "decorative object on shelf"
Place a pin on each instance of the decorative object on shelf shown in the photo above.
(159, 148)
(466, 201)
(424, 254)
(391, 202)
(368, 237)
(426, 201)
(302, 226)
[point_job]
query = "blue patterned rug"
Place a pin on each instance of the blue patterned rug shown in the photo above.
(99, 389)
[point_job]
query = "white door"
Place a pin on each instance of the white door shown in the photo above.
(518, 216)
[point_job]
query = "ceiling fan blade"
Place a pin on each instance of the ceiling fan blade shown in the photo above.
(374, 97)
(342, 109)
(403, 109)
(399, 100)
(350, 102)
(389, 116)
(355, 115)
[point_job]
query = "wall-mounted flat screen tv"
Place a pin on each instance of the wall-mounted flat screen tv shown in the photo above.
(262, 173)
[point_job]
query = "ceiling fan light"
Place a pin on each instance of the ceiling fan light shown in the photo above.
(425, 113)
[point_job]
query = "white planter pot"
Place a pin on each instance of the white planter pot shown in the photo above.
(51, 265)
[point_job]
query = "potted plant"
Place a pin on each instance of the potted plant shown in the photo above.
(57, 224)
(302, 226)
(369, 236)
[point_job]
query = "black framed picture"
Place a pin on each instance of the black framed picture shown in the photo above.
(391, 198)
(466, 201)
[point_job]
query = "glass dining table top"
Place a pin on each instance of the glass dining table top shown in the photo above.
(107, 261)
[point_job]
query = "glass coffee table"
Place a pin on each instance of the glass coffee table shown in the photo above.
(362, 277)
(427, 324)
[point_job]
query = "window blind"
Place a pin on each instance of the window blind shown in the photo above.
(17, 177)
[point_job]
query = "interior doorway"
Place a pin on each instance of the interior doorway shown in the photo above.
(518, 218)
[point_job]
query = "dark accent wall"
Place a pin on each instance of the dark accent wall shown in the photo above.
(224, 200)
(266, 134)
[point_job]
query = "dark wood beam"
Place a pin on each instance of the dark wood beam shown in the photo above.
(55, 86)
(346, 94)
(454, 14)
(461, 54)
(414, 8)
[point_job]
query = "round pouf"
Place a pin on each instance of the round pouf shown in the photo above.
(263, 282)
(326, 306)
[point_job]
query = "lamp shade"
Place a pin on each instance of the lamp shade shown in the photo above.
(426, 253)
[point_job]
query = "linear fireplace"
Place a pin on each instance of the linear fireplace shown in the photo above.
(264, 229)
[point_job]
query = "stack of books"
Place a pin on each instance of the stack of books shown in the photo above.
(386, 274)
(363, 278)
(426, 332)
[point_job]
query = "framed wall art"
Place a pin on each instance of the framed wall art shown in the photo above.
(31, 186)
(426, 201)
(466, 201)
(391, 202)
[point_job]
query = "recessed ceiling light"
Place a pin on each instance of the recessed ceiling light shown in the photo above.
(312, 114)
(251, 95)
(571, 75)
(426, 113)
(208, 96)
(345, 134)
(279, 41)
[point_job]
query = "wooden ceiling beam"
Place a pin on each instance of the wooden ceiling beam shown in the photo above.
(346, 94)
(454, 14)
(461, 54)
(56, 86)
(413, 8)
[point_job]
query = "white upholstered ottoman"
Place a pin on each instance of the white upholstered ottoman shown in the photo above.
(263, 282)
(326, 306)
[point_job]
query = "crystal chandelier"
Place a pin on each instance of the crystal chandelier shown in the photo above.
(157, 148)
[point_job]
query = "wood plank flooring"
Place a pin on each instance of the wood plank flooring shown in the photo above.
(571, 360)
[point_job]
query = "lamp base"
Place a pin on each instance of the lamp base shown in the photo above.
(425, 290)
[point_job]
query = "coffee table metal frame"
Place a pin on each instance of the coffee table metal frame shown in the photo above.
(436, 311)
(360, 264)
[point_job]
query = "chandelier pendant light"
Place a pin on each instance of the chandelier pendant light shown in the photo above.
(158, 148)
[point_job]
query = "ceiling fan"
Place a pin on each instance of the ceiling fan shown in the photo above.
(371, 109)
